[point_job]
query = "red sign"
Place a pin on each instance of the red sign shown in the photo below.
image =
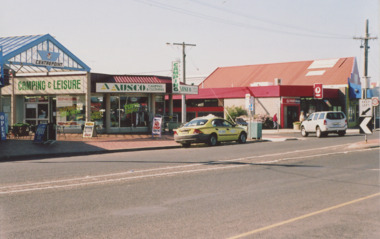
(318, 91)
(291, 101)
(375, 101)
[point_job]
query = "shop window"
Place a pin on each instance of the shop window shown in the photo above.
(98, 111)
(127, 111)
(160, 104)
(71, 111)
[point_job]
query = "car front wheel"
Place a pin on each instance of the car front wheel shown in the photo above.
(303, 132)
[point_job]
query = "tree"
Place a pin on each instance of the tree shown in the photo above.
(235, 111)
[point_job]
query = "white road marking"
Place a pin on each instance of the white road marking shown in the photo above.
(149, 173)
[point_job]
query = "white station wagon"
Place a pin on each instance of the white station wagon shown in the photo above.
(325, 122)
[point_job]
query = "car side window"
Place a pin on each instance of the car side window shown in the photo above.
(217, 122)
(310, 117)
(321, 116)
(315, 116)
(226, 124)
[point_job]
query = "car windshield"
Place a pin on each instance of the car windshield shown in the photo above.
(335, 116)
(196, 122)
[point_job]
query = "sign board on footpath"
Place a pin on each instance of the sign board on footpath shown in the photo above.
(156, 127)
(3, 126)
(88, 130)
(41, 135)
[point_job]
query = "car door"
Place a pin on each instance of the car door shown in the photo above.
(220, 129)
(231, 131)
(308, 123)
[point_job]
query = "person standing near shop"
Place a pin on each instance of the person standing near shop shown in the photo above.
(302, 117)
(275, 121)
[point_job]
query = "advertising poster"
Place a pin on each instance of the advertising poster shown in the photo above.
(88, 129)
(40, 135)
(156, 128)
(3, 126)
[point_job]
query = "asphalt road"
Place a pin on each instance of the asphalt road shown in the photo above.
(306, 188)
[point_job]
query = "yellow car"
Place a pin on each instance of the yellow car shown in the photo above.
(211, 130)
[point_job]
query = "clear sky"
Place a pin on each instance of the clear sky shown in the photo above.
(130, 36)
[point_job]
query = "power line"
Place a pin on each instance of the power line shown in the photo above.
(224, 21)
(241, 14)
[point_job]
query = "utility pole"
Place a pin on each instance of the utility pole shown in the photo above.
(366, 47)
(184, 45)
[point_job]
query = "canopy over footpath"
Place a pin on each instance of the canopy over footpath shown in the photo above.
(36, 54)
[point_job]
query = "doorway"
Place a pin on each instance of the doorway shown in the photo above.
(291, 115)
(37, 113)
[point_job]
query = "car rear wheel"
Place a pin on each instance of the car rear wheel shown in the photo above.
(242, 138)
(303, 132)
(212, 141)
(341, 133)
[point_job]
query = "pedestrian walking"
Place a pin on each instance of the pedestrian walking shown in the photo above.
(275, 121)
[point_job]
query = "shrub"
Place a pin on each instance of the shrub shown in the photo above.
(266, 120)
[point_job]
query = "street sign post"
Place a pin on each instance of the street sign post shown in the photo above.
(365, 108)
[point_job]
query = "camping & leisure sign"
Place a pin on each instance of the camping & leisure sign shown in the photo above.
(130, 87)
(50, 85)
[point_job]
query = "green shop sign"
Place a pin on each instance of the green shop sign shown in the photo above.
(55, 85)
(131, 87)
(49, 85)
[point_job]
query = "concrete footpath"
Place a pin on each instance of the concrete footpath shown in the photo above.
(74, 144)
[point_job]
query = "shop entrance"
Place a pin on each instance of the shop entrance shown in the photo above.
(291, 115)
(37, 113)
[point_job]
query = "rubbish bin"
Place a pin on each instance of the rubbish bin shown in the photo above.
(255, 129)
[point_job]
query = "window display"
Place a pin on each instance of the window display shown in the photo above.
(129, 111)
(71, 111)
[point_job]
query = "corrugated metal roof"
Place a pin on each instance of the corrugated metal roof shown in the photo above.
(10, 44)
(328, 72)
(141, 79)
(38, 53)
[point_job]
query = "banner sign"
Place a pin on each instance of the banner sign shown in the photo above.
(318, 91)
(130, 87)
(175, 77)
(3, 126)
(156, 127)
(40, 134)
(50, 85)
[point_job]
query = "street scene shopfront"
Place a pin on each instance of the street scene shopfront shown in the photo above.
(128, 107)
(48, 84)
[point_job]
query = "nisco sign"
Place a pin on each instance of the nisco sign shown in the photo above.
(130, 87)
